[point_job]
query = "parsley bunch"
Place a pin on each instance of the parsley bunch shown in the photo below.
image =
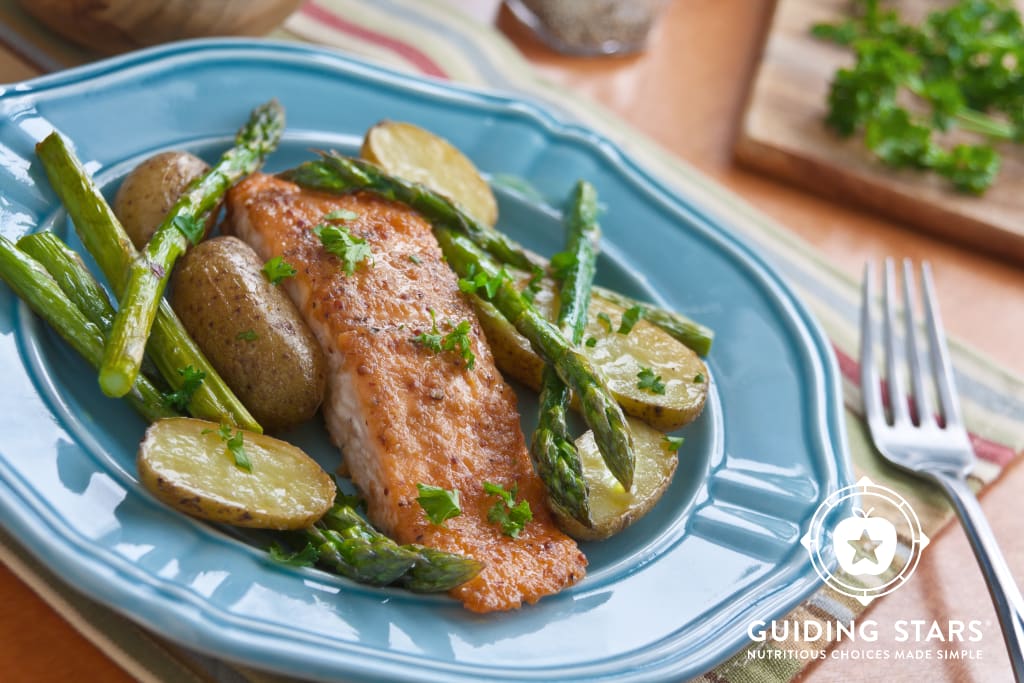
(963, 67)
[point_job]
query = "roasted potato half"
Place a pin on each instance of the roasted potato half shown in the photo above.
(620, 358)
(415, 154)
(250, 330)
(612, 507)
(188, 464)
(149, 191)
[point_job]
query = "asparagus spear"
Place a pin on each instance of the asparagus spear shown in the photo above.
(347, 544)
(335, 173)
(554, 454)
(692, 334)
(148, 274)
(170, 346)
(600, 410)
(30, 281)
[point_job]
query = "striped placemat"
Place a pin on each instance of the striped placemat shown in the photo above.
(460, 49)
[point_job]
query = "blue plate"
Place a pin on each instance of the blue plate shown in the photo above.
(668, 598)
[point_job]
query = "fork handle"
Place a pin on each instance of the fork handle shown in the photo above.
(1005, 595)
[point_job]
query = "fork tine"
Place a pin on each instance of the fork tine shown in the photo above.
(941, 365)
(869, 379)
(897, 393)
(922, 399)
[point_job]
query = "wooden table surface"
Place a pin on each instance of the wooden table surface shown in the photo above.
(687, 92)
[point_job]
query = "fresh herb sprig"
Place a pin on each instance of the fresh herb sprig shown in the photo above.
(236, 447)
(963, 67)
(456, 339)
(277, 269)
(506, 512)
(337, 239)
(438, 504)
(192, 380)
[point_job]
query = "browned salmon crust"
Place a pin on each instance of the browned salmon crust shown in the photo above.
(402, 414)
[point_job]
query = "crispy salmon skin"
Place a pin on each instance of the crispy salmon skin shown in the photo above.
(401, 413)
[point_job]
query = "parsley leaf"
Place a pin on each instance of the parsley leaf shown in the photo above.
(415, 259)
(673, 443)
(910, 82)
(438, 503)
(650, 382)
(605, 321)
(479, 280)
(180, 399)
(247, 335)
(510, 515)
(306, 557)
(339, 240)
(277, 269)
(699, 378)
(534, 284)
(189, 226)
(457, 338)
(630, 318)
(591, 342)
(236, 447)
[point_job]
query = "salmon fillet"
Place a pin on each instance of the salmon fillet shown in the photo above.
(400, 413)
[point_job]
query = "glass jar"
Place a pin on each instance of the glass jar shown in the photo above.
(590, 27)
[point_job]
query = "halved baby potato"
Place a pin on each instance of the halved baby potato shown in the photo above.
(410, 152)
(612, 507)
(187, 464)
(620, 358)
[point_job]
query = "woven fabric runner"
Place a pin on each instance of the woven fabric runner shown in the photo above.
(391, 32)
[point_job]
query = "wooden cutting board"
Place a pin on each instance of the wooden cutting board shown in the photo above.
(783, 133)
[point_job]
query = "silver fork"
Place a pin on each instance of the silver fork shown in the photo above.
(938, 451)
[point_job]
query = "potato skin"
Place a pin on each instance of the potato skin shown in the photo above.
(251, 332)
(149, 191)
(185, 463)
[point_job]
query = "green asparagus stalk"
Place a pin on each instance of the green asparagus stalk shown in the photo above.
(184, 223)
(437, 571)
(348, 545)
(333, 172)
(30, 281)
(553, 452)
(170, 346)
(74, 279)
(600, 410)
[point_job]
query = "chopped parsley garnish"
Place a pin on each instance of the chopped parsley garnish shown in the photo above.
(512, 516)
(306, 557)
(605, 321)
(339, 240)
(180, 399)
(630, 318)
(247, 335)
(650, 382)
(561, 263)
(235, 447)
(913, 83)
(189, 226)
(673, 443)
(480, 280)
(277, 269)
(438, 503)
(699, 378)
(533, 286)
(591, 342)
(415, 259)
(457, 338)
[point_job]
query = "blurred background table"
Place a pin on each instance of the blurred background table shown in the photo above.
(687, 92)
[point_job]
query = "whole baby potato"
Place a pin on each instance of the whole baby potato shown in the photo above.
(149, 191)
(250, 330)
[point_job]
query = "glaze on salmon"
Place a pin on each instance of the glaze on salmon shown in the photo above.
(401, 413)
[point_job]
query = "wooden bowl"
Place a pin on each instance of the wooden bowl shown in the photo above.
(112, 26)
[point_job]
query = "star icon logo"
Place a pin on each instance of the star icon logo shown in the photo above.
(864, 547)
